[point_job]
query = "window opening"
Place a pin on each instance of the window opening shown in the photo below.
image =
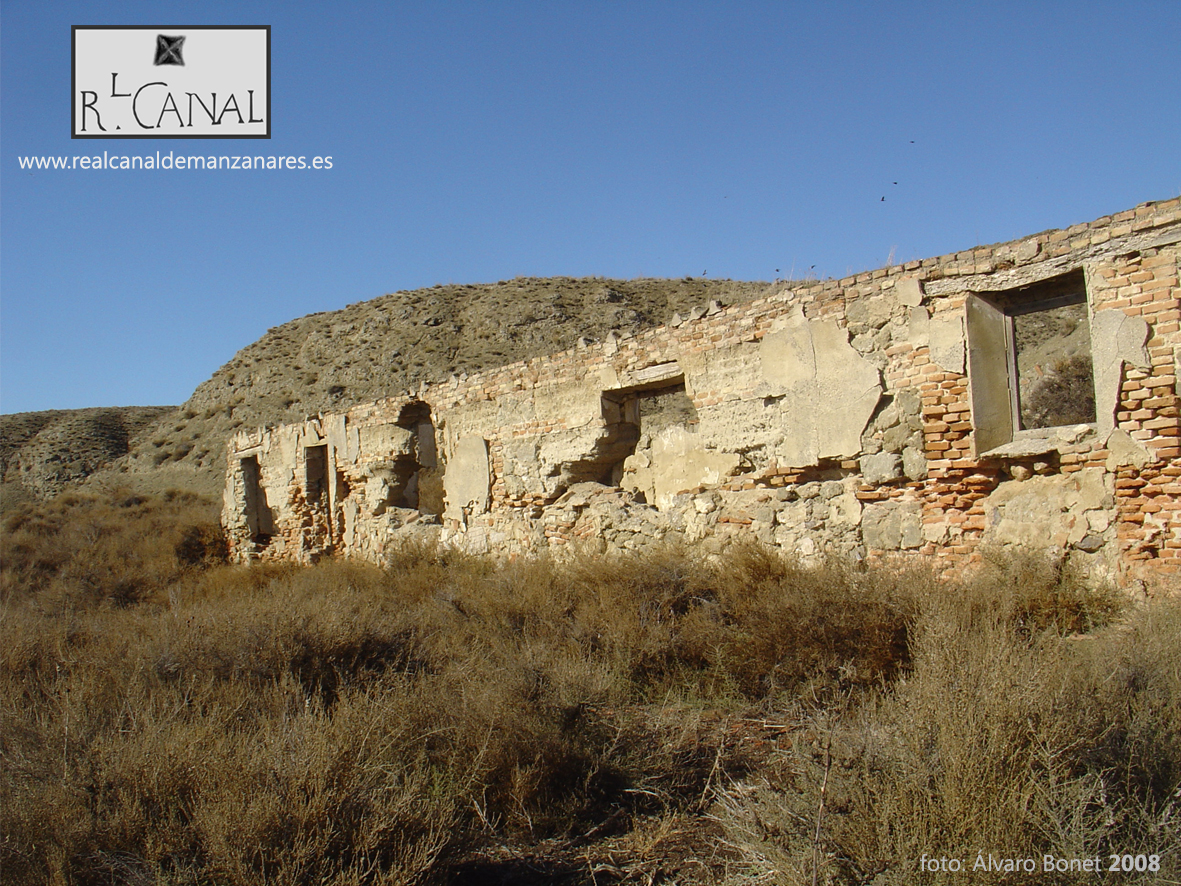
(316, 462)
(634, 416)
(1030, 364)
(603, 464)
(1052, 361)
(259, 522)
(420, 463)
(665, 408)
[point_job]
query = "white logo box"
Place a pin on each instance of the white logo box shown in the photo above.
(199, 81)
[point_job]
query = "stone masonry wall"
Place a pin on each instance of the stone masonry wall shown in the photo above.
(869, 416)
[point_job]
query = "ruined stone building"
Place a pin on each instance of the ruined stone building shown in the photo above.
(1018, 394)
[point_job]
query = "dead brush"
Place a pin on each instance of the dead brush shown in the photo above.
(1006, 734)
(349, 724)
(752, 624)
(116, 547)
(272, 744)
(1031, 593)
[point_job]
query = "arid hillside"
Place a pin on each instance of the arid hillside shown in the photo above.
(331, 360)
(42, 453)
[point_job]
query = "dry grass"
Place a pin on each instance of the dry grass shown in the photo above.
(80, 549)
(447, 719)
(1011, 734)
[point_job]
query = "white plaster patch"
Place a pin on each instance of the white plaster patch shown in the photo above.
(918, 330)
(828, 390)
(947, 343)
(676, 463)
(573, 405)
(1123, 450)
(909, 292)
(1116, 339)
(384, 441)
(1042, 512)
(467, 480)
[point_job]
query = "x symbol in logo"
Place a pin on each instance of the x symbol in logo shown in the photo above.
(168, 50)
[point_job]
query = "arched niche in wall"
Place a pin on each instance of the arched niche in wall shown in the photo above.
(418, 475)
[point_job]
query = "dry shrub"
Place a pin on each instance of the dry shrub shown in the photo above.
(1010, 735)
(298, 736)
(316, 726)
(117, 547)
(295, 724)
(753, 624)
(1028, 593)
(349, 724)
(1065, 396)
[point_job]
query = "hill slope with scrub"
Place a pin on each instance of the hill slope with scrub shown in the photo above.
(331, 360)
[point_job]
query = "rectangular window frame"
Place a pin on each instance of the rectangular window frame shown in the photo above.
(993, 381)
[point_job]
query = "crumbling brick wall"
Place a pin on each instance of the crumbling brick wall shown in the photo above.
(868, 416)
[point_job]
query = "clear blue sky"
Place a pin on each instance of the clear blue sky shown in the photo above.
(479, 141)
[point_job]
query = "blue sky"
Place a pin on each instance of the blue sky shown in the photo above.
(479, 141)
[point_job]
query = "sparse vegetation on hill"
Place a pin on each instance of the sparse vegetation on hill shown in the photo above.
(44, 453)
(168, 719)
(331, 360)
